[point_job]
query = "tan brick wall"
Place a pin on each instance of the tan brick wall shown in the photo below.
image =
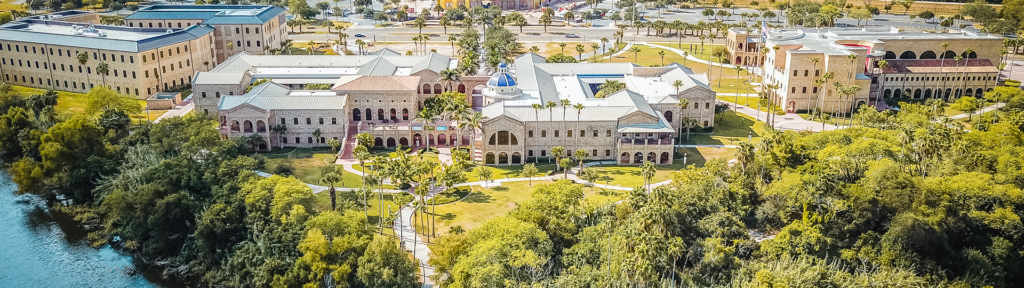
(128, 71)
(206, 97)
(302, 131)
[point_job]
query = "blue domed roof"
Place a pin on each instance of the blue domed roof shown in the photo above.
(502, 65)
(501, 80)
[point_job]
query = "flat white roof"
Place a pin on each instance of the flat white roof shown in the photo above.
(651, 88)
(306, 70)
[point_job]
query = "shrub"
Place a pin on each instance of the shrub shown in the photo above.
(284, 169)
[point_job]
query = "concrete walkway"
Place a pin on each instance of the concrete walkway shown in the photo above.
(403, 228)
(790, 121)
(180, 110)
(991, 108)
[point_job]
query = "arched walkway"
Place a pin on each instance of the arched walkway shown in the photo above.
(403, 141)
(503, 158)
(417, 139)
(665, 157)
(638, 158)
(624, 158)
(234, 126)
(247, 126)
(441, 140)
(651, 157)
(517, 158)
(261, 127)
(391, 142)
(378, 142)
(489, 158)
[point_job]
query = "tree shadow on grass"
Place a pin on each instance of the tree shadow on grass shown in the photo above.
(478, 197)
(446, 216)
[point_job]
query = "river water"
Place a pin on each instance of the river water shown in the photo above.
(43, 248)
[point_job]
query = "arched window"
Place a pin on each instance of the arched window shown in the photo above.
(949, 54)
(489, 159)
(917, 93)
(969, 56)
(887, 93)
(394, 114)
(234, 126)
(668, 116)
(369, 114)
(378, 142)
(462, 88)
(502, 137)
(928, 93)
(426, 89)
(908, 55)
(437, 88)
(503, 158)
(890, 55)
(969, 92)
(664, 158)
(261, 126)
(514, 140)
(624, 158)
(405, 113)
(247, 126)
(493, 140)
(391, 142)
(638, 158)
(380, 114)
(517, 158)
(355, 115)
(928, 55)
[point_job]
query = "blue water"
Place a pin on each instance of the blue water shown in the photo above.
(41, 248)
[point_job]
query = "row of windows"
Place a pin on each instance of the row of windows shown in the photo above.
(117, 73)
(298, 140)
(66, 84)
(568, 153)
(170, 52)
(309, 121)
(160, 24)
(229, 93)
(583, 133)
(804, 90)
(247, 44)
(933, 78)
(807, 73)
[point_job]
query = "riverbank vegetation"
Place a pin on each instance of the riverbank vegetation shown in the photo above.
(178, 195)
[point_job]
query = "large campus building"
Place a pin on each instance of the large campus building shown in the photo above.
(250, 28)
(42, 52)
(382, 93)
(919, 67)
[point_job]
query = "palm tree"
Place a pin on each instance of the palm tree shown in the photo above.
(682, 104)
(956, 60)
(647, 171)
(814, 61)
(475, 121)
(334, 176)
(360, 43)
(579, 110)
(361, 154)
(604, 44)
(566, 164)
(881, 66)
(839, 86)
(967, 60)
(450, 77)
(580, 155)
(662, 54)
(255, 140)
(557, 151)
(580, 49)
(103, 68)
(738, 69)
(942, 64)
(316, 136)
(549, 105)
(562, 45)
(635, 50)
(452, 39)
(83, 57)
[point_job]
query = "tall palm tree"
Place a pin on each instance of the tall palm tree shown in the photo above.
(103, 68)
(557, 151)
(549, 105)
(839, 86)
(853, 59)
(738, 69)
(579, 110)
(83, 57)
(334, 176)
(580, 155)
(565, 104)
(452, 39)
(449, 77)
(279, 129)
(647, 171)
(474, 122)
(682, 104)
(255, 140)
(967, 60)
(882, 65)
(956, 72)
(814, 61)
(942, 64)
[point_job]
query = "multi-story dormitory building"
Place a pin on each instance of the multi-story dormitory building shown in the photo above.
(382, 93)
(250, 28)
(41, 52)
(919, 67)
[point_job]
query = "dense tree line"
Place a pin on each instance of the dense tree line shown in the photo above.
(177, 194)
(908, 200)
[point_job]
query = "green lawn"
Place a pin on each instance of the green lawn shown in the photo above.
(307, 163)
(74, 103)
(750, 102)
(694, 49)
(482, 204)
(648, 56)
(629, 176)
(730, 125)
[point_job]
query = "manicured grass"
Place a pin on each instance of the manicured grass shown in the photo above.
(307, 163)
(731, 125)
(694, 49)
(74, 103)
(482, 205)
(648, 56)
(751, 102)
(603, 57)
(552, 48)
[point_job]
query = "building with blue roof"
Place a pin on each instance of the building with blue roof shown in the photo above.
(239, 28)
(42, 52)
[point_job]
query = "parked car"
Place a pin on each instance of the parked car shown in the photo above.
(360, 35)
(572, 35)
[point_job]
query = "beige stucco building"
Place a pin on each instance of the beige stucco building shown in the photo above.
(919, 67)
(41, 52)
(630, 126)
(244, 28)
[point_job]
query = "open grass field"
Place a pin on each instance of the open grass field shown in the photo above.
(722, 80)
(730, 129)
(307, 163)
(74, 103)
(629, 176)
(552, 48)
(751, 102)
(373, 205)
(482, 205)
